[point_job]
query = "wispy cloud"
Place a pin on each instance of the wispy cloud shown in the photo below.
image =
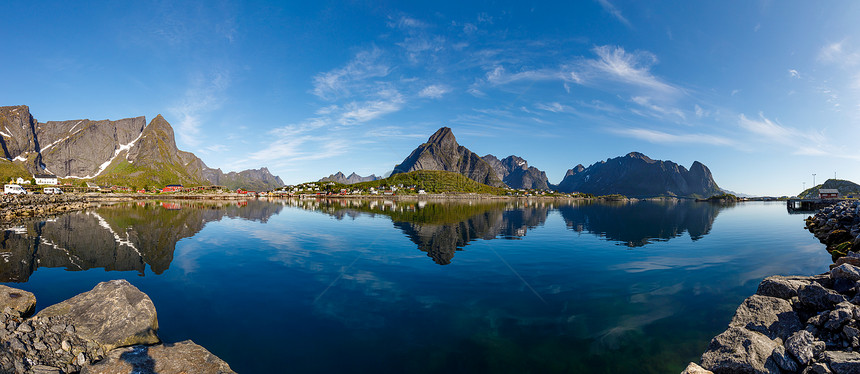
(631, 68)
(359, 112)
(793, 73)
(434, 91)
(803, 143)
(645, 102)
(343, 81)
(205, 94)
(655, 136)
(552, 107)
(839, 53)
(611, 9)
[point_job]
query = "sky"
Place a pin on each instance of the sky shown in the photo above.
(764, 93)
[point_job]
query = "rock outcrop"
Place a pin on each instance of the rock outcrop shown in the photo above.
(19, 303)
(113, 314)
(442, 152)
(88, 333)
(516, 173)
(838, 227)
(339, 177)
(637, 175)
(794, 325)
(182, 357)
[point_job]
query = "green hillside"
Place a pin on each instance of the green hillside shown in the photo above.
(846, 188)
(137, 176)
(9, 170)
(433, 181)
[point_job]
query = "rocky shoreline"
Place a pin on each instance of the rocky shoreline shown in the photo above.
(112, 328)
(796, 324)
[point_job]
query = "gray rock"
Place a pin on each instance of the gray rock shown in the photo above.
(846, 271)
(694, 368)
(781, 286)
(804, 347)
(771, 316)
(817, 368)
(784, 360)
(818, 298)
(20, 303)
(182, 357)
(844, 362)
(738, 350)
(113, 314)
(838, 317)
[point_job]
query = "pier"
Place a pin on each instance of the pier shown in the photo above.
(809, 205)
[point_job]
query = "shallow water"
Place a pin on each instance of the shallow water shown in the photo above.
(313, 286)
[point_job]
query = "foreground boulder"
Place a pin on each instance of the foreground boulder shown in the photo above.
(113, 314)
(20, 303)
(182, 357)
(77, 334)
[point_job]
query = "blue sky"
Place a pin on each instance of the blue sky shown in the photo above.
(764, 93)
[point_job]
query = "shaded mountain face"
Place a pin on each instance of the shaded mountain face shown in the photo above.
(516, 172)
(251, 180)
(441, 152)
(636, 175)
(123, 152)
(352, 178)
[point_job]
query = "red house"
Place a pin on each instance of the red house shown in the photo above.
(827, 193)
(172, 188)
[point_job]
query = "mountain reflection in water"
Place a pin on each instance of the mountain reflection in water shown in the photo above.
(440, 229)
(122, 237)
(127, 237)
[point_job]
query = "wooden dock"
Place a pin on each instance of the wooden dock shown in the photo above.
(809, 205)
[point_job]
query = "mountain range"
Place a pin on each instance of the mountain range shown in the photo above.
(634, 175)
(351, 179)
(126, 152)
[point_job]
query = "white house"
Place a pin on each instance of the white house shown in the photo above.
(46, 179)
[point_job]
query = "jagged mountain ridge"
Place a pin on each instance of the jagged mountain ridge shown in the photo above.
(353, 178)
(442, 152)
(124, 152)
(637, 175)
(252, 179)
(516, 172)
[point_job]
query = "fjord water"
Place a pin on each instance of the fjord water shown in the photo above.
(318, 286)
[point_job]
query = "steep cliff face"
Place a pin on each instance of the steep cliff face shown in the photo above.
(516, 172)
(17, 127)
(123, 152)
(637, 175)
(441, 152)
(80, 148)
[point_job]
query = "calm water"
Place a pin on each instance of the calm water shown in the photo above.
(311, 286)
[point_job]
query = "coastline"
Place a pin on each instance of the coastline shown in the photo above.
(799, 324)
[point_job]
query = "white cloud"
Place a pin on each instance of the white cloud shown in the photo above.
(359, 112)
(611, 9)
(839, 53)
(343, 81)
(699, 111)
(655, 136)
(205, 94)
(551, 107)
(802, 143)
(793, 73)
(646, 103)
(434, 91)
(629, 68)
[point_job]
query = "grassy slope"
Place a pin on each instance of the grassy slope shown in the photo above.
(845, 188)
(146, 175)
(9, 170)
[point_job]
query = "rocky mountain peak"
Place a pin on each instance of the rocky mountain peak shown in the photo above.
(444, 138)
(640, 156)
(576, 169)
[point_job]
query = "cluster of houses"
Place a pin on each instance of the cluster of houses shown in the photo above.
(331, 188)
